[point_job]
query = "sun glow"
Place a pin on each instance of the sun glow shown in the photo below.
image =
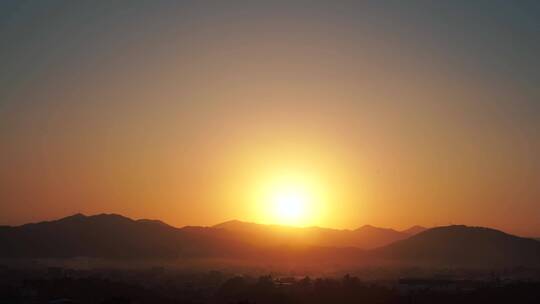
(291, 200)
(291, 204)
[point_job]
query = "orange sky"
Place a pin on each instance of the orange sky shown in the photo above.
(388, 116)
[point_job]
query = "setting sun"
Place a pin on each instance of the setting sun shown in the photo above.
(271, 152)
(290, 205)
(290, 198)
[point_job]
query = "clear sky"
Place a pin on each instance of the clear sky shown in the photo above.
(390, 113)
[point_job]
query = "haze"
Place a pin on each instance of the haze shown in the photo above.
(389, 113)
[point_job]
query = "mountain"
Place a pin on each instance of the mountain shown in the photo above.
(365, 237)
(460, 245)
(369, 236)
(111, 236)
(115, 236)
(414, 230)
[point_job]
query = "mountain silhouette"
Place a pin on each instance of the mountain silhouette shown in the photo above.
(414, 230)
(114, 236)
(365, 237)
(459, 245)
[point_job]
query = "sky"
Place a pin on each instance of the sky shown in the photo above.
(389, 113)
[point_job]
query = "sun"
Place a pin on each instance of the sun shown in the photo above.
(291, 200)
(291, 205)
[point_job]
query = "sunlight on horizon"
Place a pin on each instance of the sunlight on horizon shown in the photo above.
(291, 199)
(291, 204)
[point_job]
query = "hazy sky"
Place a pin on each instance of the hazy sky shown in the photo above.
(393, 113)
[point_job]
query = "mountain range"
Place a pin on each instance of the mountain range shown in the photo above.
(365, 237)
(464, 246)
(118, 237)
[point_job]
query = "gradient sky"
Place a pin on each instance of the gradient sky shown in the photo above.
(396, 112)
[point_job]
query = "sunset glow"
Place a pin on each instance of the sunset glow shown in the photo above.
(327, 114)
(291, 205)
(218, 152)
(290, 199)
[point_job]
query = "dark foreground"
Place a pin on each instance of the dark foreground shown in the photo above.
(157, 285)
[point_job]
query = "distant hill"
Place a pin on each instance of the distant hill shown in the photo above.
(463, 246)
(111, 236)
(414, 230)
(365, 237)
(115, 236)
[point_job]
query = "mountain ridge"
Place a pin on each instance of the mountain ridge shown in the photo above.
(118, 237)
(364, 237)
(461, 245)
